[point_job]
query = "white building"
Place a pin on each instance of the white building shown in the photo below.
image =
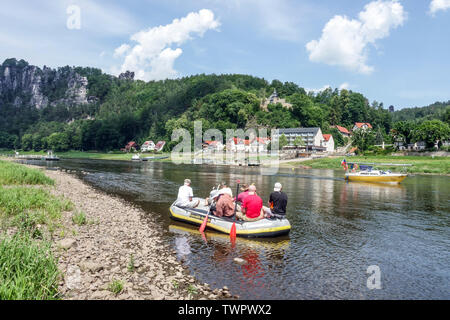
(328, 142)
(148, 146)
(362, 125)
(213, 146)
(312, 137)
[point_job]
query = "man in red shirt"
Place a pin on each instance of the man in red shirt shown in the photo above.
(251, 207)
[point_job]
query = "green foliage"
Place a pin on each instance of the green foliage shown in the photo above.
(15, 174)
(79, 218)
(283, 141)
(363, 139)
(28, 269)
(116, 286)
(432, 132)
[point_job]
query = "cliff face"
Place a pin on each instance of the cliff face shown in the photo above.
(24, 85)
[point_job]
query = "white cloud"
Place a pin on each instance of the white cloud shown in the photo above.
(344, 86)
(344, 42)
(437, 5)
(122, 50)
(152, 58)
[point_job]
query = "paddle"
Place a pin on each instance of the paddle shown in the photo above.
(233, 227)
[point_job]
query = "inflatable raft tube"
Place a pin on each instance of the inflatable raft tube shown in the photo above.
(260, 229)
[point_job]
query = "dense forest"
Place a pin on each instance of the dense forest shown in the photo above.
(121, 109)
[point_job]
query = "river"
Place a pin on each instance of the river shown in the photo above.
(339, 229)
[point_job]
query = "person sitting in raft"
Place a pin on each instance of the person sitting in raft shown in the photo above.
(277, 202)
(252, 207)
(224, 206)
(186, 195)
(225, 189)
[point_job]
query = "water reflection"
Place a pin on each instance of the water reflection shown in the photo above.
(338, 230)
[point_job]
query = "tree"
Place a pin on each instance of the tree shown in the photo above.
(27, 142)
(299, 142)
(363, 139)
(58, 142)
(283, 141)
(432, 132)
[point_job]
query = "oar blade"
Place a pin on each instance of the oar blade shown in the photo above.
(203, 226)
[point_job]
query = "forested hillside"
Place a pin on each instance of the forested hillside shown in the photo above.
(85, 109)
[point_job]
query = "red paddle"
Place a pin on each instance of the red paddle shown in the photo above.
(203, 226)
(233, 227)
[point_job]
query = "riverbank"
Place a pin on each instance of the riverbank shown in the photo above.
(420, 165)
(90, 155)
(108, 249)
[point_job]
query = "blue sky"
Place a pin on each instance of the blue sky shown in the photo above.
(392, 51)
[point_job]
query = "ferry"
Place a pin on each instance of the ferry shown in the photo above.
(367, 173)
(265, 228)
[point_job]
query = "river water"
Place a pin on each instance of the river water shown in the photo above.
(339, 229)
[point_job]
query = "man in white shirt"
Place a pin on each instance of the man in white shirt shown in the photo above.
(186, 195)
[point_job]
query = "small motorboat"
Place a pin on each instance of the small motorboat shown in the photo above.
(136, 157)
(273, 227)
(50, 157)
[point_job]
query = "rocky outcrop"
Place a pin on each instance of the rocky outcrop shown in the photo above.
(22, 84)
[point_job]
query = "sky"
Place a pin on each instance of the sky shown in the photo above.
(393, 51)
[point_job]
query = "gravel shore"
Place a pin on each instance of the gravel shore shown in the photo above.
(121, 244)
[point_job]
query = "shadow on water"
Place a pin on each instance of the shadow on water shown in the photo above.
(339, 229)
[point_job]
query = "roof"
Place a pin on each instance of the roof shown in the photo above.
(342, 129)
(299, 130)
(211, 143)
(360, 124)
(327, 137)
(148, 142)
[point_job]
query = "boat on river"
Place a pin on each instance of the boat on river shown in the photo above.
(265, 228)
(367, 173)
(50, 157)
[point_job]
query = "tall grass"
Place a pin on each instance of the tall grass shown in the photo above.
(28, 270)
(28, 207)
(16, 174)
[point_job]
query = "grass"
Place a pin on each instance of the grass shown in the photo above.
(28, 270)
(16, 174)
(436, 165)
(116, 286)
(131, 265)
(79, 218)
(27, 207)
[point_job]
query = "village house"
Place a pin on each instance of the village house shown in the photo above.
(131, 146)
(343, 131)
(213, 146)
(160, 146)
(148, 146)
(328, 142)
(246, 145)
(362, 125)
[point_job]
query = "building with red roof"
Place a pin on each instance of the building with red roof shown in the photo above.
(362, 125)
(328, 142)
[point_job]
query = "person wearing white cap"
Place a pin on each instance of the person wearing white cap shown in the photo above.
(278, 201)
(186, 196)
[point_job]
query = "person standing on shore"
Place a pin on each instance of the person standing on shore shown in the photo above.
(186, 196)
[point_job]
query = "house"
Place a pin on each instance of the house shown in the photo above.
(343, 131)
(312, 137)
(259, 144)
(362, 125)
(328, 142)
(274, 99)
(238, 145)
(160, 146)
(213, 146)
(418, 146)
(131, 146)
(148, 146)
